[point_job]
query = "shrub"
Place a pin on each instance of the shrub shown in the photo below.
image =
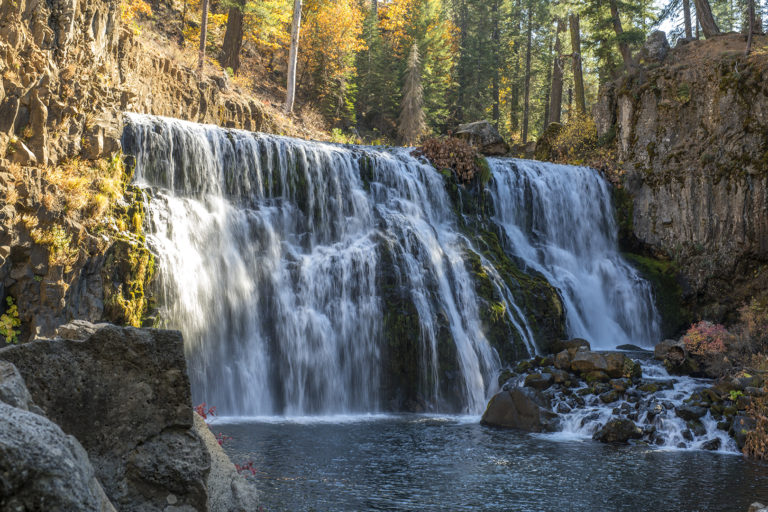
(753, 326)
(454, 154)
(706, 338)
(59, 242)
(756, 445)
(204, 411)
(9, 321)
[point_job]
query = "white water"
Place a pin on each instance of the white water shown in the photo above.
(559, 220)
(270, 257)
(656, 411)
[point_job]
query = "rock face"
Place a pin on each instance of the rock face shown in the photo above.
(484, 136)
(519, 408)
(692, 135)
(124, 394)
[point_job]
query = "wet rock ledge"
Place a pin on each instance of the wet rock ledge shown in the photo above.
(100, 419)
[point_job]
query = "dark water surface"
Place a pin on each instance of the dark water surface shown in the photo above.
(430, 463)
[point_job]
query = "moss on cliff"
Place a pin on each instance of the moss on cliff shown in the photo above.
(668, 292)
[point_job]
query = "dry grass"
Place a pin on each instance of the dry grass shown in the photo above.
(83, 190)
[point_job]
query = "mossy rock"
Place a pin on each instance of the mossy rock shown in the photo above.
(668, 292)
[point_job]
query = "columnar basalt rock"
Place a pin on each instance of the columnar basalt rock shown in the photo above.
(692, 137)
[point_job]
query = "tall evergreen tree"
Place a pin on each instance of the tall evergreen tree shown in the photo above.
(411, 123)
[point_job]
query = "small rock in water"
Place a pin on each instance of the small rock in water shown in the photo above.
(540, 381)
(690, 412)
(618, 431)
(712, 445)
(632, 348)
(609, 397)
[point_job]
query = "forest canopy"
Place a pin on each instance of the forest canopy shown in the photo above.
(519, 63)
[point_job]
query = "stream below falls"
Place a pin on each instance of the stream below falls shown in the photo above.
(431, 463)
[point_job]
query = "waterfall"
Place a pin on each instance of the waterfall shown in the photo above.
(312, 278)
(559, 221)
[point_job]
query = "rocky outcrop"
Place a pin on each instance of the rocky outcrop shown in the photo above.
(693, 136)
(124, 394)
(484, 136)
(68, 71)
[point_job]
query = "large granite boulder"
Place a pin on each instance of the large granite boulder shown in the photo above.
(520, 408)
(124, 394)
(484, 136)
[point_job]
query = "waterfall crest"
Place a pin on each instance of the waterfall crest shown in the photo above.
(311, 278)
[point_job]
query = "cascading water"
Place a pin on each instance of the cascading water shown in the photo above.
(559, 221)
(268, 252)
(277, 258)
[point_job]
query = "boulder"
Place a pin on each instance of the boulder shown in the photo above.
(614, 364)
(228, 491)
(12, 389)
(572, 346)
(563, 360)
(586, 361)
(673, 350)
(520, 408)
(540, 381)
(484, 136)
(618, 431)
(656, 48)
(42, 468)
(690, 412)
(124, 394)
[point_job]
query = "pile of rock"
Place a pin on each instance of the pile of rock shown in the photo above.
(101, 418)
(609, 392)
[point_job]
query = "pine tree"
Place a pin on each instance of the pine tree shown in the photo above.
(378, 95)
(411, 123)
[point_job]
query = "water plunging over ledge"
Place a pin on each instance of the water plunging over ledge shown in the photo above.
(288, 265)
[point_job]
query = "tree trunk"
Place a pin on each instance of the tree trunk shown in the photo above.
(293, 57)
(496, 39)
(203, 37)
(706, 20)
(750, 25)
(233, 38)
(687, 19)
(548, 82)
(626, 53)
(183, 23)
(578, 75)
(556, 98)
(527, 93)
(514, 95)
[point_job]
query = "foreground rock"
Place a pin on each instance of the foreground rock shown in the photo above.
(227, 489)
(519, 408)
(41, 468)
(124, 394)
(484, 136)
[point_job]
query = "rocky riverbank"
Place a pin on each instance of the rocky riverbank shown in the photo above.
(632, 396)
(100, 418)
